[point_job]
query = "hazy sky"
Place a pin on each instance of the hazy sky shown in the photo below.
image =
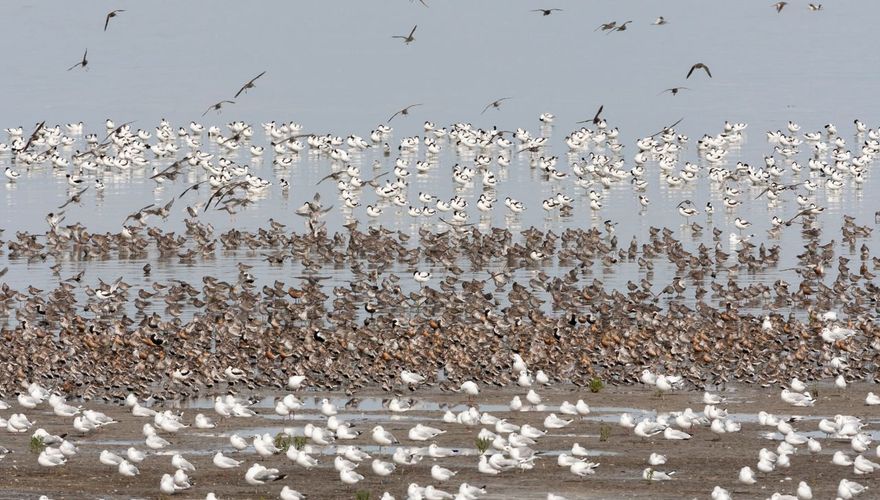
(333, 66)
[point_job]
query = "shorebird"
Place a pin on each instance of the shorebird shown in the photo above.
(496, 104)
(402, 112)
(407, 39)
(546, 12)
(674, 90)
(248, 85)
(216, 106)
(83, 63)
(779, 6)
(110, 16)
(701, 66)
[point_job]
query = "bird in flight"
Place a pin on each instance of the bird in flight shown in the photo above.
(674, 90)
(421, 2)
(814, 7)
(621, 27)
(111, 15)
(408, 38)
(546, 12)
(83, 63)
(495, 104)
(607, 26)
(216, 106)
(699, 66)
(660, 21)
(248, 85)
(595, 118)
(75, 198)
(403, 112)
(779, 6)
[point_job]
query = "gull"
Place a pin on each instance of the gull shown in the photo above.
(862, 465)
(135, 455)
(248, 85)
(496, 104)
(109, 458)
(217, 106)
(646, 428)
(328, 408)
(383, 437)
(607, 26)
(350, 477)
(238, 442)
(747, 476)
(583, 469)
(660, 21)
(470, 388)
(840, 458)
(674, 434)
(381, 468)
(18, 422)
(127, 468)
(411, 378)
(546, 12)
(408, 38)
(847, 489)
(203, 422)
(655, 475)
(295, 381)
(814, 7)
(51, 457)
(178, 461)
(424, 433)
(468, 492)
(167, 486)
(435, 451)
(779, 6)
(797, 398)
(701, 66)
(258, 475)
(290, 494)
(110, 16)
(404, 111)
(804, 492)
(872, 399)
(225, 462)
(656, 459)
(441, 474)
(83, 63)
(719, 493)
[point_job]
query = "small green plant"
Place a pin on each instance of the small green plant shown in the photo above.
(283, 441)
(596, 385)
(37, 445)
(604, 432)
(649, 475)
(362, 495)
(483, 445)
(299, 442)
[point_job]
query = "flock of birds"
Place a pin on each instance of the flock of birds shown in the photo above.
(507, 446)
(410, 315)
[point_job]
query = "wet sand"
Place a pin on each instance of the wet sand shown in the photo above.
(700, 463)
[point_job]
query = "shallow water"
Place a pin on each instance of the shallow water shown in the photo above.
(350, 78)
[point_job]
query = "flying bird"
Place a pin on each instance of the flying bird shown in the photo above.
(674, 90)
(74, 198)
(546, 12)
(83, 63)
(814, 7)
(495, 104)
(779, 6)
(621, 27)
(595, 118)
(110, 16)
(248, 85)
(408, 38)
(421, 2)
(216, 106)
(403, 112)
(699, 66)
(607, 26)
